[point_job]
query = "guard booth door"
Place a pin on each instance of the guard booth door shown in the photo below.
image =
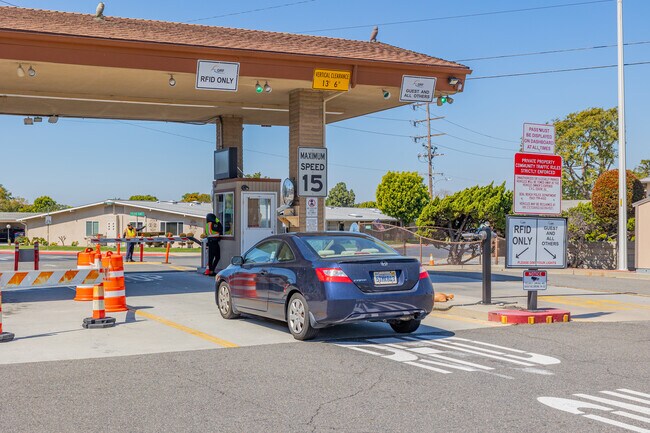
(258, 217)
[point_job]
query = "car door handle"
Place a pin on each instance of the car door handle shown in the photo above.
(263, 272)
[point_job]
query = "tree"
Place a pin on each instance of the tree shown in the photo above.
(643, 169)
(402, 195)
(9, 203)
(585, 140)
(44, 204)
(143, 198)
(339, 196)
(604, 197)
(195, 196)
(367, 205)
(256, 175)
(446, 219)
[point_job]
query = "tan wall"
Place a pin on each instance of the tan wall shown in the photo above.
(72, 224)
(643, 236)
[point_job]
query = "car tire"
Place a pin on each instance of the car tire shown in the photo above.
(298, 318)
(405, 326)
(223, 297)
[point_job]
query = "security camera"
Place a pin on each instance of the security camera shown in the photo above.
(386, 94)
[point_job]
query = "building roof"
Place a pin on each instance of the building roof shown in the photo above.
(198, 210)
(14, 216)
(640, 202)
(163, 32)
(570, 204)
(645, 180)
(355, 214)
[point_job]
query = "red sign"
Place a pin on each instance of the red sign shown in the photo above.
(538, 184)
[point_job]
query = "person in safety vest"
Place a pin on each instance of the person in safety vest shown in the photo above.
(214, 231)
(130, 232)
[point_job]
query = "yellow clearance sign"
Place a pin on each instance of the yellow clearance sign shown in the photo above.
(327, 79)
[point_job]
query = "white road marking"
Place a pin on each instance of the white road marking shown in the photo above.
(577, 407)
(439, 352)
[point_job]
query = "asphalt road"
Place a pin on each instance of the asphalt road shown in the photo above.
(354, 386)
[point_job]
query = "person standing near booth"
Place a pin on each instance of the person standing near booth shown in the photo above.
(129, 233)
(214, 231)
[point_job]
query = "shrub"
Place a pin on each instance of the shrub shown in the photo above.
(54, 244)
(604, 196)
(22, 240)
(75, 243)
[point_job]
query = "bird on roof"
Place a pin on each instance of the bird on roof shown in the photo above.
(373, 35)
(99, 13)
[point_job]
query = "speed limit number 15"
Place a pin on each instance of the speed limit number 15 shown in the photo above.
(312, 171)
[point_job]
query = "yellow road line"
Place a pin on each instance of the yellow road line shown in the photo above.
(447, 316)
(181, 268)
(196, 333)
(594, 303)
(142, 263)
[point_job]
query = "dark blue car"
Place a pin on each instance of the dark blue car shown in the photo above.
(314, 280)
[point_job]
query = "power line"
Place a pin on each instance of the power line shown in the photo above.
(7, 3)
(251, 11)
(554, 71)
(537, 53)
(479, 14)
(476, 143)
(411, 137)
(480, 133)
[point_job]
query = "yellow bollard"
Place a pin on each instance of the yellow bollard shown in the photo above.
(504, 320)
(565, 318)
(531, 320)
(549, 319)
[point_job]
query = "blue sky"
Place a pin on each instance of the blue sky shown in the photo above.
(74, 160)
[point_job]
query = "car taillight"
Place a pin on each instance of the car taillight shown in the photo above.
(332, 275)
(423, 273)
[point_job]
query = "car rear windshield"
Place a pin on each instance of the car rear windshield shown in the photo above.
(344, 246)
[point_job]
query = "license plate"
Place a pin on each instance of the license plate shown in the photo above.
(384, 278)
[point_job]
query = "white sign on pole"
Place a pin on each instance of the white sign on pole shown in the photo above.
(417, 89)
(535, 280)
(311, 224)
(312, 207)
(538, 184)
(212, 75)
(535, 242)
(539, 138)
(312, 171)
(48, 219)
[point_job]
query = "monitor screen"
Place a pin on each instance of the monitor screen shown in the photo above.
(225, 163)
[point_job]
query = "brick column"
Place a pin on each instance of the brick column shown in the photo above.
(232, 136)
(306, 129)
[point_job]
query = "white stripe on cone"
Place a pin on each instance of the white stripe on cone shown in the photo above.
(115, 274)
(98, 305)
(114, 293)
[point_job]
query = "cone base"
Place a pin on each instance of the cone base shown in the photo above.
(6, 336)
(106, 322)
(84, 294)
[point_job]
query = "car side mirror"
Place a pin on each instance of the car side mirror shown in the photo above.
(237, 261)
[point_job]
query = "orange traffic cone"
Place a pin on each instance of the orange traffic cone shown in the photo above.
(85, 260)
(98, 319)
(431, 262)
(114, 285)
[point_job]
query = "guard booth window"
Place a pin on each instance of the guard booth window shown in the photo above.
(175, 228)
(226, 212)
(259, 213)
(92, 228)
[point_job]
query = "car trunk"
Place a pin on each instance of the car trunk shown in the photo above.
(382, 274)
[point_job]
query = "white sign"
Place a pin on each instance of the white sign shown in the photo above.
(535, 242)
(312, 171)
(312, 207)
(417, 89)
(212, 75)
(311, 224)
(539, 138)
(534, 280)
(538, 184)
(48, 220)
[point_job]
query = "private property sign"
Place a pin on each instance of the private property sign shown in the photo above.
(535, 242)
(538, 184)
(539, 138)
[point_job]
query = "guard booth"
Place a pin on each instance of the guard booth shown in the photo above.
(247, 209)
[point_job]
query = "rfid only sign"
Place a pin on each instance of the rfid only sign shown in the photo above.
(212, 75)
(535, 242)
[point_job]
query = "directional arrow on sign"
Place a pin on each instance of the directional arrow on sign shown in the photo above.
(518, 255)
(554, 256)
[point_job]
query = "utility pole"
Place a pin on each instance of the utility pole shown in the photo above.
(622, 181)
(431, 150)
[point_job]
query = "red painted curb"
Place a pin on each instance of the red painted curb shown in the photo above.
(547, 315)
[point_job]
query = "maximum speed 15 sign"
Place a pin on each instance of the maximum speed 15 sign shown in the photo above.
(312, 171)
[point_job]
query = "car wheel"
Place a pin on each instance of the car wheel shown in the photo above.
(224, 301)
(405, 326)
(298, 318)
